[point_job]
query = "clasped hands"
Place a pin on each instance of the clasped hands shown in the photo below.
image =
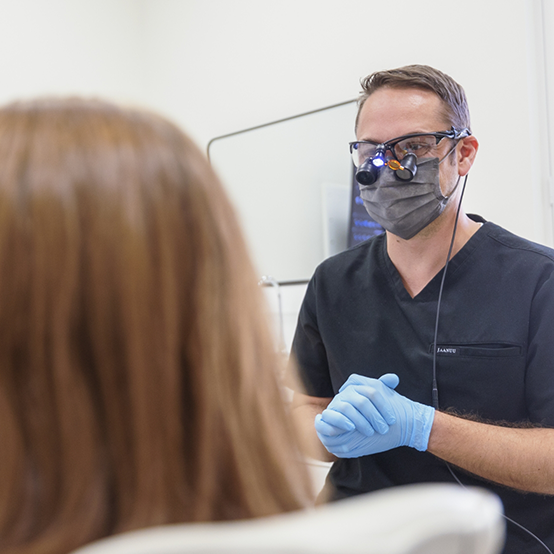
(368, 416)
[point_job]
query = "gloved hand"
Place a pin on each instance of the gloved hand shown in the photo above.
(368, 416)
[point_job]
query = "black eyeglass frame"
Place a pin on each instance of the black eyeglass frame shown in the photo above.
(389, 145)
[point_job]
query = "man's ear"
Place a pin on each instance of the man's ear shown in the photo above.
(467, 150)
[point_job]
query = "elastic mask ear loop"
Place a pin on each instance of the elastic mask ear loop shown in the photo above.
(453, 191)
(450, 152)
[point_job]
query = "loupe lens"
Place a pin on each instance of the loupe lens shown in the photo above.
(409, 168)
(367, 173)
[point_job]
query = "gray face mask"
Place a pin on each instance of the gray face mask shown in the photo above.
(405, 208)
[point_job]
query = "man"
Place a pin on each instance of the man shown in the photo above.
(366, 345)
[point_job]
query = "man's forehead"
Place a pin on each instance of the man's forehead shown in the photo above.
(391, 112)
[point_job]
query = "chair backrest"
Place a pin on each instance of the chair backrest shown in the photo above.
(415, 519)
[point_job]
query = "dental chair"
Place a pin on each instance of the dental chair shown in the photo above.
(415, 519)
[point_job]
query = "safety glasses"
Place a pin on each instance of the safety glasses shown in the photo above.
(420, 144)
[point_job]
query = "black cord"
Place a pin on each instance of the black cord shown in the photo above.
(435, 387)
(503, 515)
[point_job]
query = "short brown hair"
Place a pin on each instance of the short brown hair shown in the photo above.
(422, 77)
(138, 376)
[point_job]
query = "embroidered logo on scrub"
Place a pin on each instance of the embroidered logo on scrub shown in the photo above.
(481, 350)
(449, 350)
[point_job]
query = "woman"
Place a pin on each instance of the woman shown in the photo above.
(138, 381)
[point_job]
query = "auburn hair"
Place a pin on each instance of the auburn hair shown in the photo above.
(139, 383)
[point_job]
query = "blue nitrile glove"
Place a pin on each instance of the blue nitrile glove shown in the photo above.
(356, 420)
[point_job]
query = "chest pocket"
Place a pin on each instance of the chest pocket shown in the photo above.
(499, 350)
(486, 379)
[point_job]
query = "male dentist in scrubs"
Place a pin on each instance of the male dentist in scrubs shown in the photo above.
(391, 402)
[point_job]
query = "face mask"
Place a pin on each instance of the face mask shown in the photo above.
(405, 208)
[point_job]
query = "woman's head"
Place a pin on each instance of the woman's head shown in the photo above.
(137, 377)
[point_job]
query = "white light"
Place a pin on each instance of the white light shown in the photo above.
(378, 162)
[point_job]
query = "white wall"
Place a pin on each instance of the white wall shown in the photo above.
(222, 66)
(541, 73)
(88, 47)
(217, 66)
